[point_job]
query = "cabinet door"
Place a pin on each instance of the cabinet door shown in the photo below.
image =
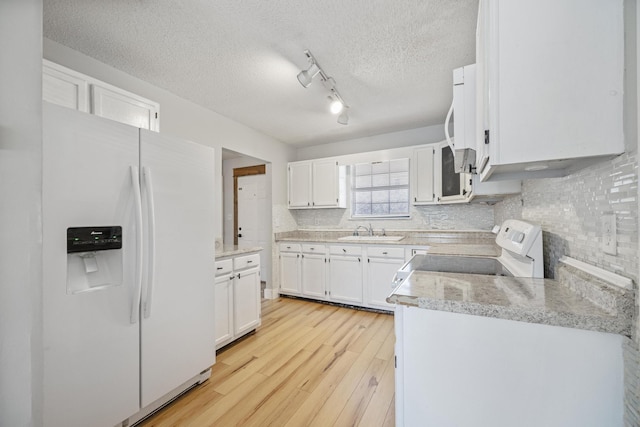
(224, 309)
(313, 275)
(246, 300)
(380, 272)
(65, 87)
(422, 175)
(345, 279)
(300, 185)
(125, 107)
(552, 95)
(324, 179)
(290, 272)
(451, 186)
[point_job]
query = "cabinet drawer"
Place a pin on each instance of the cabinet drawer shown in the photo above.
(246, 261)
(289, 247)
(346, 250)
(313, 249)
(224, 266)
(384, 252)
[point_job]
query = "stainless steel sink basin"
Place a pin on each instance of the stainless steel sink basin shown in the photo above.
(371, 238)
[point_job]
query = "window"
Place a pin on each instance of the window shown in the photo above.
(380, 189)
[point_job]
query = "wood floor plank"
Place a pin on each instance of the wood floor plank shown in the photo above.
(263, 391)
(387, 350)
(335, 372)
(376, 411)
(335, 402)
(308, 363)
(364, 391)
(374, 331)
(390, 419)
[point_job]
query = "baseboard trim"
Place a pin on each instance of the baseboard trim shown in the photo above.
(271, 293)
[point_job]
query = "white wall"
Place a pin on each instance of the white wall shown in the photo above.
(187, 120)
(423, 135)
(21, 356)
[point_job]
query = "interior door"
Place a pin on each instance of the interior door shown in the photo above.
(253, 226)
(91, 348)
(177, 324)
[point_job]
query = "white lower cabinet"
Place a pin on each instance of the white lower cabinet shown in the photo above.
(237, 297)
(359, 275)
(246, 300)
(290, 266)
(382, 265)
(313, 270)
(345, 274)
(223, 309)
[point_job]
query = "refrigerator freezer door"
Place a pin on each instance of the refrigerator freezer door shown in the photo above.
(91, 357)
(178, 337)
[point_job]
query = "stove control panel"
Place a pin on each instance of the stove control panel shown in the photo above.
(519, 237)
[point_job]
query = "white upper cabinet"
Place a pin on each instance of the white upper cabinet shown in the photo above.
(549, 84)
(124, 107)
(317, 184)
(63, 86)
(422, 174)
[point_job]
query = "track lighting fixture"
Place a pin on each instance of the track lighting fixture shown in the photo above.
(305, 76)
(337, 104)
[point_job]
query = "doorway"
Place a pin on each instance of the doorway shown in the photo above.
(247, 206)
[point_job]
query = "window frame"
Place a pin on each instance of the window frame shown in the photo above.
(353, 190)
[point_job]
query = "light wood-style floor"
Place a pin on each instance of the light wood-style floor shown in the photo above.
(309, 364)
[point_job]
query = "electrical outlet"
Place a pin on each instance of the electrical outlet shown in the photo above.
(609, 240)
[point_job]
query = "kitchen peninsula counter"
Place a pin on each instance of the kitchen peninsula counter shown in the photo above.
(542, 301)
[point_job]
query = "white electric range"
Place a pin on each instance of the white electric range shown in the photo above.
(521, 256)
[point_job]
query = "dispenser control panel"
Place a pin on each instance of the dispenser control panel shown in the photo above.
(91, 239)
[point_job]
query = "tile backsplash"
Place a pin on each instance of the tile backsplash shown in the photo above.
(441, 217)
(570, 208)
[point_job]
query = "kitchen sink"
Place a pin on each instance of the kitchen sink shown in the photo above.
(371, 238)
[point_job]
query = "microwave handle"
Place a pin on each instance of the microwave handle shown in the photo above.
(446, 130)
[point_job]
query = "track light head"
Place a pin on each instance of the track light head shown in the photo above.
(343, 118)
(305, 77)
(336, 106)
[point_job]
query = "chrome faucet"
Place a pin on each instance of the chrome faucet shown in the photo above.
(369, 230)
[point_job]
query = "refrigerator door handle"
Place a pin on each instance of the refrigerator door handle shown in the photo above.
(137, 200)
(148, 182)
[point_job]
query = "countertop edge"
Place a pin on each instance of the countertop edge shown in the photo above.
(595, 323)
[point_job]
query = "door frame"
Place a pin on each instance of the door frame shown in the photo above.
(237, 172)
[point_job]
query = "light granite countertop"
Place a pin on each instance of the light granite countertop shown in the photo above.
(233, 250)
(440, 242)
(542, 301)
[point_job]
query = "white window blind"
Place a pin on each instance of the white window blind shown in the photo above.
(380, 189)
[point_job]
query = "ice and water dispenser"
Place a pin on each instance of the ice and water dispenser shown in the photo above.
(94, 258)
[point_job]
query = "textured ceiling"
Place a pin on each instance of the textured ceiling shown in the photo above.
(391, 59)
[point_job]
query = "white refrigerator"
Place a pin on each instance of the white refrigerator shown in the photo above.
(128, 275)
